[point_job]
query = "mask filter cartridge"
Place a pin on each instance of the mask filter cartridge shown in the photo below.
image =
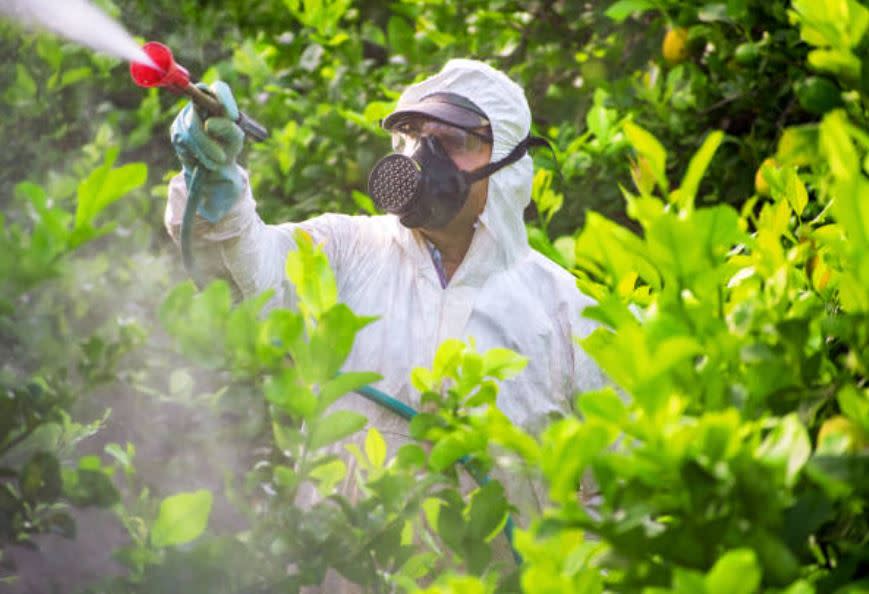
(394, 182)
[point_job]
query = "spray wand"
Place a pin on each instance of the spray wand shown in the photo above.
(174, 77)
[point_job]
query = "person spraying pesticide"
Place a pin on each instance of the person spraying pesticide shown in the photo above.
(449, 258)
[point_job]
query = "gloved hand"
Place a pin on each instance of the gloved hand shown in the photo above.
(213, 147)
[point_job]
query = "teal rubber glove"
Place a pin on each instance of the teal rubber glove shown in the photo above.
(212, 147)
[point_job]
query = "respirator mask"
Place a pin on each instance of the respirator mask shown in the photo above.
(427, 189)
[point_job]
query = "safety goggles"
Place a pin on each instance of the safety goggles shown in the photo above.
(456, 141)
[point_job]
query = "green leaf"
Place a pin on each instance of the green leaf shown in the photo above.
(447, 451)
(736, 572)
(800, 587)
(447, 359)
(375, 448)
(344, 384)
(503, 363)
(422, 379)
(74, 75)
(841, 63)
(795, 191)
(625, 8)
(40, 478)
(401, 36)
(364, 202)
(504, 433)
(285, 477)
(787, 446)
(648, 146)
(450, 520)
(91, 462)
(709, 232)
(331, 342)
(89, 487)
(287, 391)
(855, 405)
(614, 252)
(106, 185)
(568, 446)
(308, 269)
(181, 519)
(697, 167)
(851, 190)
(335, 427)
(837, 145)
(710, 13)
(411, 456)
(485, 393)
(602, 404)
(328, 475)
(488, 511)
(799, 145)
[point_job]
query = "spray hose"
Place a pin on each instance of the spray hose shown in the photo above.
(407, 413)
(194, 197)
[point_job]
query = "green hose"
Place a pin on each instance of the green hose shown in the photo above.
(193, 200)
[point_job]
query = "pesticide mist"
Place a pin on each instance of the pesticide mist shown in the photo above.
(78, 21)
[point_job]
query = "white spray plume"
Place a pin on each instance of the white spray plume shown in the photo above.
(78, 21)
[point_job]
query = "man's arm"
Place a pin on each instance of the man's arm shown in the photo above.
(239, 247)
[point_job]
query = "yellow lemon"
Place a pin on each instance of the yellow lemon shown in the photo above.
(760, 184)
(675, 46)
(843, 426)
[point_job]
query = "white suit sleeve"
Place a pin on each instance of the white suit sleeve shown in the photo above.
(244, 250)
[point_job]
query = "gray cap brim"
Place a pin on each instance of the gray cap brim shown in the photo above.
(442, 107)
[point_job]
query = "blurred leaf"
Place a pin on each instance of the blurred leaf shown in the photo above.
(736, 572)
(308, 269)
(488, 509)
(105, 185)
(787, 446)
(335, 427)
(40, 479)
(795, 191)
(375, 448)
(344, 384)
(503, 363)
(696, 168)
(622, 9)
(181, 519)
(602, 404)
(649, 147)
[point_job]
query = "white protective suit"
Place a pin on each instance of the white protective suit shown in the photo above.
(503, 294)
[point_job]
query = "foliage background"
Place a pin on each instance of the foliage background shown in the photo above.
(751, 289)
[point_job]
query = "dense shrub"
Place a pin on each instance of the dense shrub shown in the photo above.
(732, 454)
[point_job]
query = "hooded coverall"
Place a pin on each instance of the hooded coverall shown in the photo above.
(503, 294)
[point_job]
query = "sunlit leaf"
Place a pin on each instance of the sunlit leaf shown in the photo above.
(181, 518)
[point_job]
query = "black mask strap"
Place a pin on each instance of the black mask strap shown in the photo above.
(517, 153)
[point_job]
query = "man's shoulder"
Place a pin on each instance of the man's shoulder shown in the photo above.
(337, 219)
(350, 228)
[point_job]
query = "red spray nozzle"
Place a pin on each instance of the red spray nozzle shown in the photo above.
(171, 75)
(175, 77)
